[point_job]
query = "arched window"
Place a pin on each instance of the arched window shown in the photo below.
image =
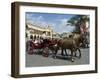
(31, 36)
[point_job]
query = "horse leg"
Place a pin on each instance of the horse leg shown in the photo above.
(66, 52)
(55, 53)
(62, 52)
(72, 59)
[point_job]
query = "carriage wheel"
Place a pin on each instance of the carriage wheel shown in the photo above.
(46, 52)
(30, 47)
(30, 51)
(78, 53)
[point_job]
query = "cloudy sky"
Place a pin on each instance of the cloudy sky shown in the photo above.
(57, 21)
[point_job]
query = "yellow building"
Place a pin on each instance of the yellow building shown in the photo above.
(35, 30)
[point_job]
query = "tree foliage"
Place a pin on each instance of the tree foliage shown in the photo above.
(77, 20)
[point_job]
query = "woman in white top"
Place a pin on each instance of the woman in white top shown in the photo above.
(44, 36)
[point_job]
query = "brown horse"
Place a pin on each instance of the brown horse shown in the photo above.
(70, 43)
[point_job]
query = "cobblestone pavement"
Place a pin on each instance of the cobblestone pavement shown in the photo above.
(37, 60)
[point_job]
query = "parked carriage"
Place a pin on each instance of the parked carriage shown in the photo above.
(43, 47)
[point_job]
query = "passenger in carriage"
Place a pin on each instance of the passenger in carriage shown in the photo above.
(37, 41)
(41, 39)
(44, 36)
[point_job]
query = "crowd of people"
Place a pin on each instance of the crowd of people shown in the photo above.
(39, 39)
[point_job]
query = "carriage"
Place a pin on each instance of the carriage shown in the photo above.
(40, 47)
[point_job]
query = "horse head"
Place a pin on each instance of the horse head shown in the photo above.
(78, 39)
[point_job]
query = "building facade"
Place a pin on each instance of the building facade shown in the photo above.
(37, 31)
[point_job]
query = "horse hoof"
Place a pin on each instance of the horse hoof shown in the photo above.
(66, 55)
(54, 57)
(72, 60)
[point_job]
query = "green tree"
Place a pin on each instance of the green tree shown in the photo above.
(77, 21)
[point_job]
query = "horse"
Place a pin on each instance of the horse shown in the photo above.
(70, 43)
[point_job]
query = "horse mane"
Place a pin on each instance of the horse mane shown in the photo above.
(78, 39)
